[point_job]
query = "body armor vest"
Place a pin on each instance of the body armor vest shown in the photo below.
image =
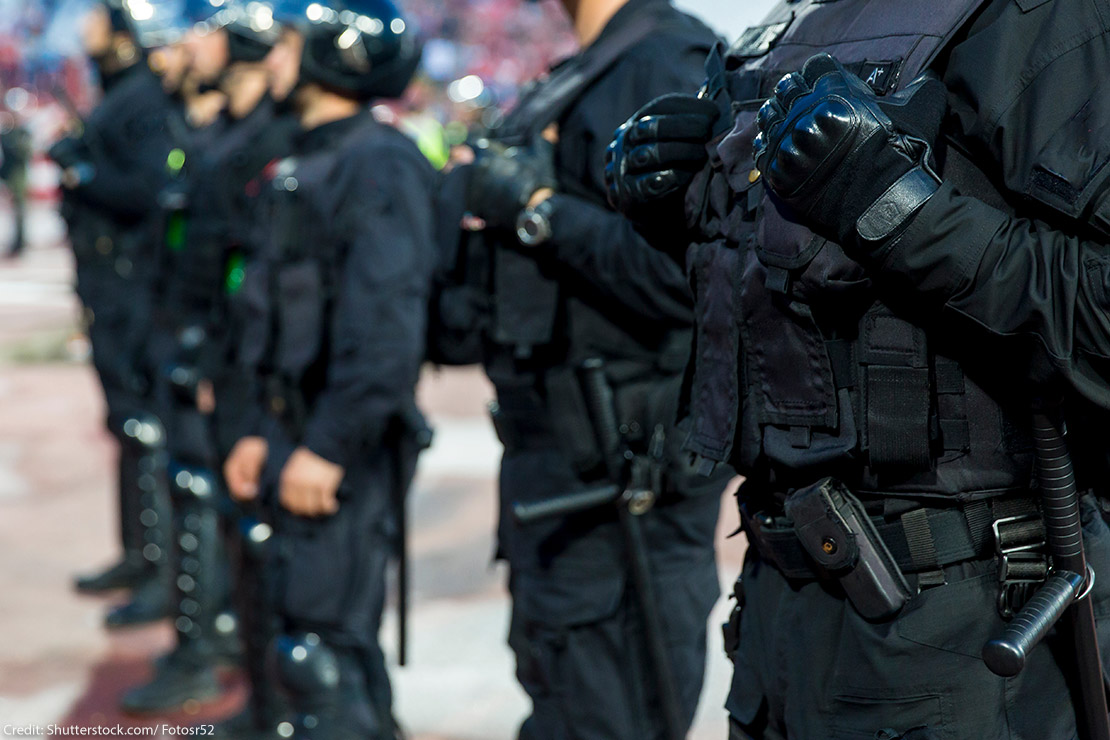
(288, 293)
(798, 367)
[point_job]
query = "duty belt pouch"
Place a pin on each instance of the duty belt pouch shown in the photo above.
(836, 532)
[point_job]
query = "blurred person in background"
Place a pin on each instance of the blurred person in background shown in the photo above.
(557, 285)
(15, 160)
(113, 166)
(334, 342)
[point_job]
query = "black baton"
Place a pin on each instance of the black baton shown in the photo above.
(1063, 596)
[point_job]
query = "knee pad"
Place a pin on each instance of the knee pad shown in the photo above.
(306, 665)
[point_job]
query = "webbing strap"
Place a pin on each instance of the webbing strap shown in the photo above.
(896, 391)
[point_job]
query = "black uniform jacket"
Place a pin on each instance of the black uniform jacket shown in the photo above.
(339, 293)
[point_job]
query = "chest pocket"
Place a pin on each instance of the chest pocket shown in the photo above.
(253, 307)
(301, 300)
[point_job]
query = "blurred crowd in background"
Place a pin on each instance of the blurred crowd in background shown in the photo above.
(476, 55)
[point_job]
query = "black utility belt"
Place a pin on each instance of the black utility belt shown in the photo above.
(826, 533)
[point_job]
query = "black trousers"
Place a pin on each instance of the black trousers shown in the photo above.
(808, 667)
(330, 572)
(577, 629)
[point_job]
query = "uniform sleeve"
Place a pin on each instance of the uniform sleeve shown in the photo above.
(600, 245)
(602, 248)
(380, 312)
(1027, 93)
(129, 161)
(1014, 278)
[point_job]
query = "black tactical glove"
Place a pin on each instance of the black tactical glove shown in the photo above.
(830, 151)
(505, 178)
(655, 154)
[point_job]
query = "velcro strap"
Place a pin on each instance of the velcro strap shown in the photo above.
(898, 415)
(894, 207)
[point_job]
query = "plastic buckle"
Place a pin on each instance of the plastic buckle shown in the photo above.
(1014, 592)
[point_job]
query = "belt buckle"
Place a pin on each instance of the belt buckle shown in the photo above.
(1014, 592)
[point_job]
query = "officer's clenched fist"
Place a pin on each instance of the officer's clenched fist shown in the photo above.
(309, 484)
(655, 154)
(828, 149)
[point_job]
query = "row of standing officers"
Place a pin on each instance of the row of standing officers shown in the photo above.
(848, 278)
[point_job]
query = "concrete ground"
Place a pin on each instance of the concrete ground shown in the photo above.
(57, 663)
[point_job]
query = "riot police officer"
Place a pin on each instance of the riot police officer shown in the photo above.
(571, 306)
(113, 166)
(334, 342)
(891, 271)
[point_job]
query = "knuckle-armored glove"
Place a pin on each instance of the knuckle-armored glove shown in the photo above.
(505, 178)
(656, 153)
(830, 151)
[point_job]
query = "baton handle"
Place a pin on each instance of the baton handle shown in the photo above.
(1005, 655)
(570, 503)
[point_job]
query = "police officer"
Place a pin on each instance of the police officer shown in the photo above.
(15, 157)
(113, 167)
(890, 274)
(335, 342)
(209, 220)
(561, 282)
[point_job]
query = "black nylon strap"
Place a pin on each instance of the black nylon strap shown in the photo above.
(919, 540)
(922, 541)
(897, 391)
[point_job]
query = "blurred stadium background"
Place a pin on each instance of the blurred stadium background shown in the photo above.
(57, 664)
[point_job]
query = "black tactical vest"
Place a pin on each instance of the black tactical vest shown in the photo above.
(798, 368)
(289, 290)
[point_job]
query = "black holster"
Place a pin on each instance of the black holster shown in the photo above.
(838, 535)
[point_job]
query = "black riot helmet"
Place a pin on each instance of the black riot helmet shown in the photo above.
(254, 26)
(363, 48)
(152, 23)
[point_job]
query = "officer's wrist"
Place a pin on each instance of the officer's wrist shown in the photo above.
(540, 196)
(533, 224)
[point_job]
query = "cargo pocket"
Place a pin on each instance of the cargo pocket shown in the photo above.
(909, 718)
(746, 695)
(907, 677)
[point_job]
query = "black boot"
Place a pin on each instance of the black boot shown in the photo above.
(150, 602)
(328, 691)
(179, 679)
(144, 458)
(133, 568)
(127, 573)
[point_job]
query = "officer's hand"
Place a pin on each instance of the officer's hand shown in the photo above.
(309, 484)
(243, 467)
(656, 153)
(829, 151)
(504, 179)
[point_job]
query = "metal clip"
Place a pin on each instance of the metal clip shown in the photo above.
(1028, 559)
